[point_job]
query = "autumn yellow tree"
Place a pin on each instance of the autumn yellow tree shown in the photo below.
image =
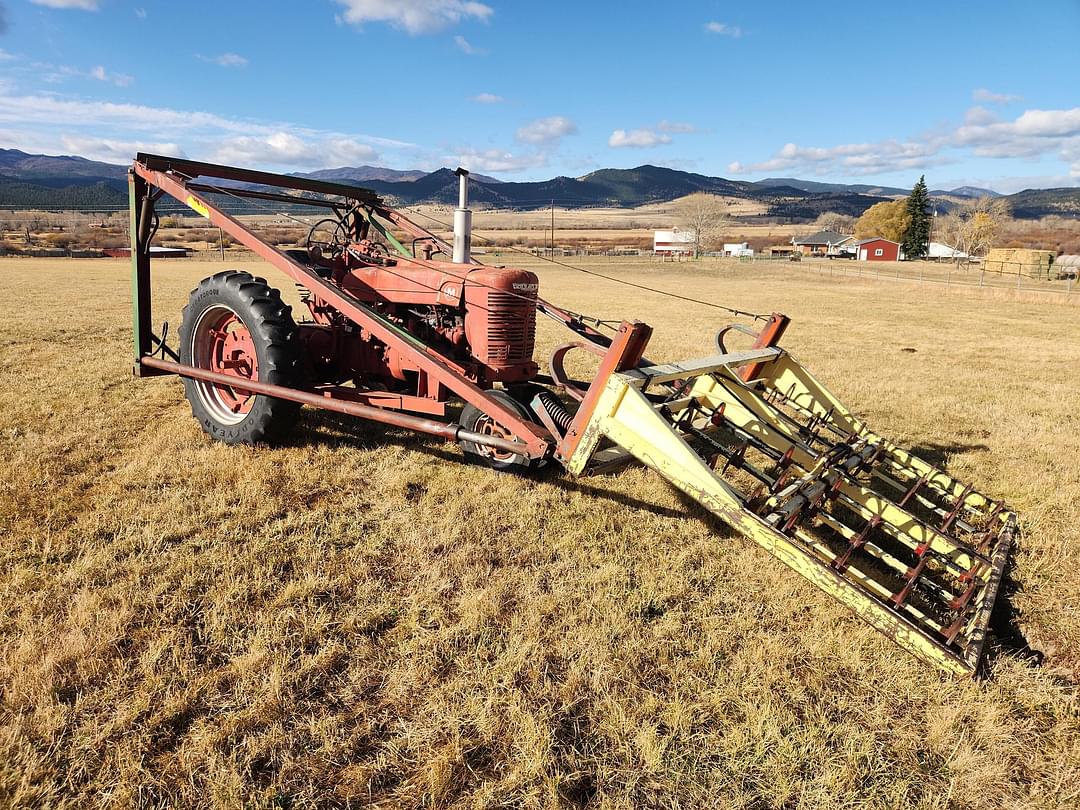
(886, 219)
(975, 226)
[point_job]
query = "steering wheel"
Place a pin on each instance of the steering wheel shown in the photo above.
(335, 245)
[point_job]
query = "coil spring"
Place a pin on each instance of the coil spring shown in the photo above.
(555, 409)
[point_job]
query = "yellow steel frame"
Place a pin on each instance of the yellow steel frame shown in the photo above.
(625, 415)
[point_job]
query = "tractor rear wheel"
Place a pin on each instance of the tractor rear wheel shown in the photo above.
(475, 420)
(236, 324)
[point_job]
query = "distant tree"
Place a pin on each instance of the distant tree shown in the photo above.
(888, 220)
(704, 214)
(916, 238)
(832, 221)
(976, 225)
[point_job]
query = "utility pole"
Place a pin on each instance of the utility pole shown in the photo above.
(553, 229)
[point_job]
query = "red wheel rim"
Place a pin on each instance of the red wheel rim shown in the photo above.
(489, 427)
(223, 344)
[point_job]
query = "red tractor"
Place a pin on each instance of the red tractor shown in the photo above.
(396, 336)
(479, 321)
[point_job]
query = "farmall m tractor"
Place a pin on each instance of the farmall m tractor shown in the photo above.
(396, 335)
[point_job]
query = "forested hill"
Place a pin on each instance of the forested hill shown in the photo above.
(43, 181)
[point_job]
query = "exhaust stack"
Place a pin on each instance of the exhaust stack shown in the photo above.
(462, 220)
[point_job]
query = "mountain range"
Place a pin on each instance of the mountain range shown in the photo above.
(42, 181)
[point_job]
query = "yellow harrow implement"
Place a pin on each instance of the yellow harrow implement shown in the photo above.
(759, 442)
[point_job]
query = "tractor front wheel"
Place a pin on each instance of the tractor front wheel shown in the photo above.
(236, 324)
(475, 420)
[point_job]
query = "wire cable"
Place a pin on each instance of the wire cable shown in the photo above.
(736, 312)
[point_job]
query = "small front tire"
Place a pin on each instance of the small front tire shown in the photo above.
(475, 420)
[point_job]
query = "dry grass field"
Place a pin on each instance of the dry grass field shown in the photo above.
(361, 619)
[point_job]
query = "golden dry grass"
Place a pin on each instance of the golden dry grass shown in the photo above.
(360, 619)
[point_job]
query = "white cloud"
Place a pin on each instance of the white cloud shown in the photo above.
(675, 126)
(48, 109)
(1012, 183)
(140, 13)
(1033, 134)
(56, 74)
(111, 151)
(119, 79)
(45, 121)
(285, 148)
(546, 130)
(638, 138)
(487, 98)
(847, 159)
(1048, 123)
(5, 56)
(723, 29)
(978, 116)
(225, 60)
(414, 16)
(496, 160)
(466, 47)
(982, 94)
(84, 5)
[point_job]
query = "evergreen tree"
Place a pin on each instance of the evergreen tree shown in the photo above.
(916, 241)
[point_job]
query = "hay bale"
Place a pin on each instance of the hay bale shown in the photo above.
(1029, 262)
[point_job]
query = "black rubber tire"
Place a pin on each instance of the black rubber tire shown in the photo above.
(277, 349)
(472, 419)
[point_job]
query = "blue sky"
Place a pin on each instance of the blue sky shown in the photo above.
(969, 93)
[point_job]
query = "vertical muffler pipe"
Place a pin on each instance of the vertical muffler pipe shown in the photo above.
(462, 220)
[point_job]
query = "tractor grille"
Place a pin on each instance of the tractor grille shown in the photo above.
(511, 329)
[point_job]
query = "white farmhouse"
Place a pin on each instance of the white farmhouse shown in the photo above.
(673, 243)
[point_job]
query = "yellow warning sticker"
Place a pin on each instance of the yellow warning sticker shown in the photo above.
(197, 206)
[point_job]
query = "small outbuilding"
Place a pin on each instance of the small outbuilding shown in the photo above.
(878, 249)
(780, 250)
(939, 250)
(1067, 265)
(822, 243)
(738, 249)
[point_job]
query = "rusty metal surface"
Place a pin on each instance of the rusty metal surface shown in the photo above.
(625, 352)
(536, 438)
(387, 417)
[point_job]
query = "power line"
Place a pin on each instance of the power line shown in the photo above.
(736, 312)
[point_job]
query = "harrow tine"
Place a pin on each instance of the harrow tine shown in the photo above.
(857, 542)
(911, 492)
(949, 518)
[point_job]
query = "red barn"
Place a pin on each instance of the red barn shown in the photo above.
(878, 249)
